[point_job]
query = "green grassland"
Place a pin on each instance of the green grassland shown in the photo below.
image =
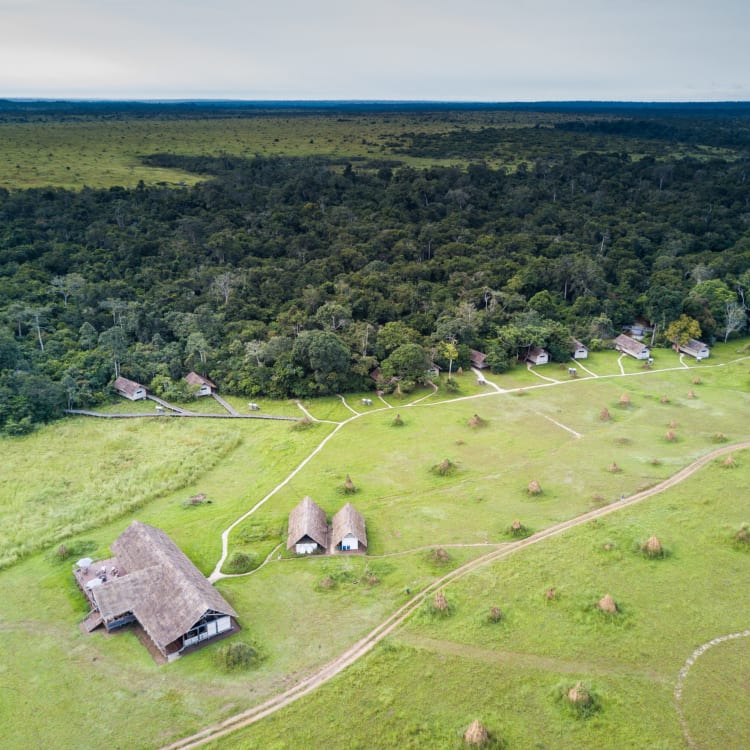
(432, 677)
(106, 152)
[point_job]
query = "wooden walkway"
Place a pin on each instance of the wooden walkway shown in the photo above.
(173, 414)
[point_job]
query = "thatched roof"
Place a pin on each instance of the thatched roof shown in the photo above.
(478, 359)
(630, 346)
(349, 521)
(161, 587)
(307, 519)
(127, 387)
(536, 353)
(192, 378)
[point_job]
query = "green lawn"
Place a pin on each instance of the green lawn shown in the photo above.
(668, 607)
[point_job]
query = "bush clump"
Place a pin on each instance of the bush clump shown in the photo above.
(604, 415)
(652, 548)
(303, 424)
(580, 699)
(233, 657)
(397, 421)
(517, 530)
(439, 556)
(476, 421)
(742, 537)
(495, 615)
(349, 488)
(241, 562)
(534, 488)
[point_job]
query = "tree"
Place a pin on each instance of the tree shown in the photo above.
(735, 318)
(680, 331)
(223, 284)
(406, 361)
(448, 350)
(114, 342)
(67, 285)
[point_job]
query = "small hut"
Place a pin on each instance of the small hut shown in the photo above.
(694, 348)
(632, 347)
(349, 530)
(130, 389)
(537, 356)
(203, 386)
(580, 351)
(478, 359)
(308, 528)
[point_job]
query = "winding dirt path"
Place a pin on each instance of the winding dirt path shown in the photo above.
(369, 641)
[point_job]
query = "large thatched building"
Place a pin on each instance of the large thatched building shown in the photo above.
(631, 347)
(151, 581)
(308, 528)
(349, 530)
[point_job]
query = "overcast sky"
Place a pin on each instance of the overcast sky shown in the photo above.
(462, 50)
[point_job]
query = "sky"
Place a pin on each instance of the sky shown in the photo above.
(462, 50)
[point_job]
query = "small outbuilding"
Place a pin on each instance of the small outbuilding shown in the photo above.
(631, 347)
(537, 356)
(580, 351)
(478, 359)
(349, 530)
(152, 582)
(308, 528)
(130, 389)
(203, 386)
(694, 348)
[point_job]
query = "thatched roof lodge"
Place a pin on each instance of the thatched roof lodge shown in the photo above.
(130, 389)
(349, 530)
(631, 347)
(579, 350)
(204, 386)
(694, 348)
(537, 356)
(152, 581)
(478, 359)
(308, 528)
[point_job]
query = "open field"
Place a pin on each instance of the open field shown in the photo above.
(102, 153)
(668, 607)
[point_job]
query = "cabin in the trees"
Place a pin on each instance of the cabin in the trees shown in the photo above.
(639, 328)
(308, 528)
(580, 351)
(349, 530)
(150, 581)
(478, 359)
(537, 356)
(694, 348)
(130, 389)
(203, 386)
(631, 347)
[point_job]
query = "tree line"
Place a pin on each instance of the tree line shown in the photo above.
(299, 277)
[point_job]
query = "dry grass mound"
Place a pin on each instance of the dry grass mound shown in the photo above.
(476, 421)
(397, 421)
(672, 424)
(349, 488)
(652, 548)
(742, 537)
(439, 556)
(697, 381)
(518, 530)
(604, 415)
(719, 437)
(303, 424)
(670, 436)
(613, 468)
(550, 594)
(579, 695)
(624, 401)
(729, 462)
(445, 468)
(607, 605)
(440, 603)
(691, 394)
(534, 488)
(665, 399)
(476, 734)
(495, 614)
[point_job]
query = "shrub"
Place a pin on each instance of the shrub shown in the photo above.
(236, 656)
(517, 530)
(349, 488)
(604, 415)
(303, 424)
(652, 548)
(397, 421)
(495, 615)
(534, 488)
(742, 537)
(439, 556)
(452, 386)
(579, 699)
(241, 562)
(719, 437)
(476, 421)
(729, 462)
(670, 436)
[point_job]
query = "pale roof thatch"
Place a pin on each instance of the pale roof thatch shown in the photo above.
(578, 344)
(162, 588)
(349, 521)
(536, 352)
(478, 359)
(694, 347)
(629, 345)
(192, 378)
(123, 385)
(307, 520)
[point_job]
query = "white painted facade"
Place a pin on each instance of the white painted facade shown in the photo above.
(305, 548)
(212, 628)
(349, 542)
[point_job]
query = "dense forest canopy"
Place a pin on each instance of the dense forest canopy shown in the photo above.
(300, 276)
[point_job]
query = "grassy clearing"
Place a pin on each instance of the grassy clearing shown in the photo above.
(508, 674)
(630, 661)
